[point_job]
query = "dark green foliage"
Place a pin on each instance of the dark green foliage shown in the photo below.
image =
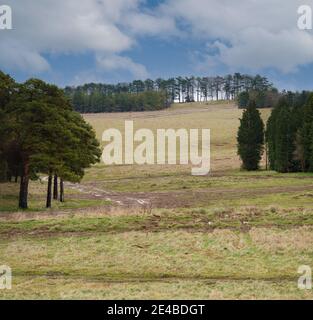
(289, 133)
(305, 136)
(270, 134)
(97, 102)
(159, 94)
(281, 138)
(267, 98)
(42, 135)
(284, 141)
(243, 100)
(7, 88)
(251, 138)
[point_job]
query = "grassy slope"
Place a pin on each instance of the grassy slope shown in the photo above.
(238, 245)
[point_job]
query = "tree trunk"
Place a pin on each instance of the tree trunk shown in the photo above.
(49, 194)
(61, 190)
(266, 157)
(55, 187)
(23, 196)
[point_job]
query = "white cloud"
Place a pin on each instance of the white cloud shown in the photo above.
(115, 62)
(248, 33)
(258, 34)
(71, 27)
(284, 51)
(151, 23)
(15, 56)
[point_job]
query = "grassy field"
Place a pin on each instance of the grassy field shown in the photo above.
(156, 232)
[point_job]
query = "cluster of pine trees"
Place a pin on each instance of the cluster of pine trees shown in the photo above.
(97, 102)
(267, 98)
(287, 139)
(289, 134)
(159, 94)
(41, 134)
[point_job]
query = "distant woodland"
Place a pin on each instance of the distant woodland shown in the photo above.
(161, 93)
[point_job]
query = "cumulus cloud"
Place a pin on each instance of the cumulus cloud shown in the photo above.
(16, 56)
(115, 62)
(247, 33)
(71, 27)
(267, 50)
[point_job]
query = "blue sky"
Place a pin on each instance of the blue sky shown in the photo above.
(122, 40)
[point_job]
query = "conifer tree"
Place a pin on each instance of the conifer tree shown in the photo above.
(305, 135)
(7, 87)
(284, 141)
(271, 132)
(49, 136)
(250, 138)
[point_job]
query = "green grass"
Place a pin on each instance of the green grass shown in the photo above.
(193, 220)
(9, 199)
(212, 261)
(167, 181)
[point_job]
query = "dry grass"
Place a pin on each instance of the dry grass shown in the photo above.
(298, 239)
(80, 288)
(239, 245)
(222, 264)
(222, 118)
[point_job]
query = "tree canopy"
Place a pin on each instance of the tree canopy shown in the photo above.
(289, 133)
(41, 134)
(160, 93)
(251, 138)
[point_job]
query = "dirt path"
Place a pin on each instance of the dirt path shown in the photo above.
(121, 199)
(156, 278)
(185, 198)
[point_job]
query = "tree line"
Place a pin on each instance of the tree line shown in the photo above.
(287, 139)
(40, 134)
(161, 93)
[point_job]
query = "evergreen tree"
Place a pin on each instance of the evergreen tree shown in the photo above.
(7, 88)
(251, 138)
(271, 130)
(48, 137)
(94, 98)
(305, 135)
(243, 99)
(284, 141)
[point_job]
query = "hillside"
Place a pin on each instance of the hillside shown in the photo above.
(157, 232)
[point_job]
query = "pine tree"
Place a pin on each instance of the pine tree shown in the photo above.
(7, 87)
(251, 138)
(49, 136)
(284, 141)
(271, 130)
(305, 134)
